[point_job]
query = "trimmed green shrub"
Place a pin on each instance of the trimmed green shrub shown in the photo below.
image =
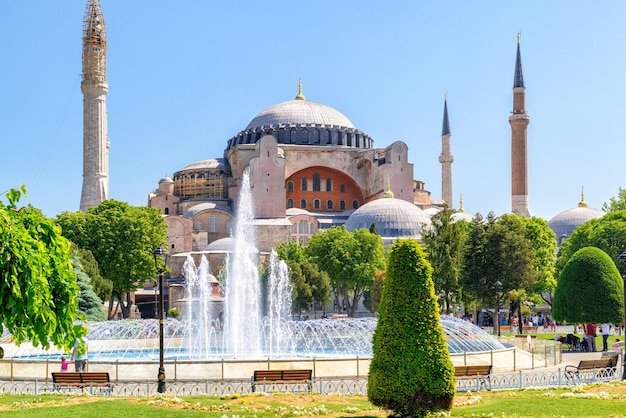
(590, 289)
(411, 372)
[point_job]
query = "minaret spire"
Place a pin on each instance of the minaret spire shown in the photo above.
(519, 121)
(94, 87)
(446, 158)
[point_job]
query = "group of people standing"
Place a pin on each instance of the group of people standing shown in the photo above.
(590, 332)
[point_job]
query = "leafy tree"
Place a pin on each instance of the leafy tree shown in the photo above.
(371, 298)
(411, 372)
(590, 289)
(607, 233)
(445, 245)
(310, 285)
(302, 296)
(101, 286)
(543, 244)
(351, 260)
(616, 203)
(121, 238)
(502, 249)
(38, 290)
(89, 304)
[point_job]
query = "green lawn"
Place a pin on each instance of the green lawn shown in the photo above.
(607, 400)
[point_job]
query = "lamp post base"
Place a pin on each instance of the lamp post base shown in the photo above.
(161, 378)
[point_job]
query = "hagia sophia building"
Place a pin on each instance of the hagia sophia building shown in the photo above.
(310, 169)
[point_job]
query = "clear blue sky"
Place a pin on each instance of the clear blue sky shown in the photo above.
(186, 76)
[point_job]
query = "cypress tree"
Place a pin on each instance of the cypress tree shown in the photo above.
(411, 372)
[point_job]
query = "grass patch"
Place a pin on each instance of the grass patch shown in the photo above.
(601, 400)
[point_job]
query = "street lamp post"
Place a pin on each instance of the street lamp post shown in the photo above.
(498, 286)
(161, 253)
(622, 256)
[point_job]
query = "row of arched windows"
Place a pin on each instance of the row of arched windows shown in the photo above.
(317, 204)
(317, 184)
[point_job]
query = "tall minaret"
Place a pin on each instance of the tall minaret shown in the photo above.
(94, 87)
(445, 158)
(519, 141)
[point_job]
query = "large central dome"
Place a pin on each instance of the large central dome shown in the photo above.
(301, 122)
(300, 112)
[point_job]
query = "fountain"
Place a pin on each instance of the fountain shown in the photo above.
(256, 322)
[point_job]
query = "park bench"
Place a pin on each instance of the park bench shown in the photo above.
(612, 357)
(599, 368)
(282, 377)
(479, 372)
(82, 380)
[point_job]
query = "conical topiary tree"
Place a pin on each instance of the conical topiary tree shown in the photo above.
(411, 372)
(589, 289)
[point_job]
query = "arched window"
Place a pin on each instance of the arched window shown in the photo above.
(342, 205)
(304, 184)
(329, 185)
(316, 203)
(342, 188)
(329, 205)
(302, 203)
(166, 211)
(289, 203)
(228, 227)
(290, 187)
(214, 226)
(316, 182)
(355, 204)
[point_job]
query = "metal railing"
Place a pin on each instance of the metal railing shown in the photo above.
(356, 385)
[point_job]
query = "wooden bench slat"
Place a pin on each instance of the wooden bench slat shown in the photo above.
(81, 379)
(282, 376)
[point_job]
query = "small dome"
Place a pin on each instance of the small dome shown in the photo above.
(432, 211)
(228, 245)
(564, 223)
(166, 179)
(394, 218)
(462, 216)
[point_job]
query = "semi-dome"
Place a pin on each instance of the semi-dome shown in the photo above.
(394, 218)
(212, 163)
(564, 223)
(302, 122)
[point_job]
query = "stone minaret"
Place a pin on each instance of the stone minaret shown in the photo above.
(445, 158)
(519, 141)
(94, 87)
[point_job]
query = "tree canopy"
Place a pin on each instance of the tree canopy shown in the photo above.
(616, 203)
(89, 304)
(351, 260)
(607, 233)
(38, 289)
(121, 238)
(516, 251)
(590, 289)
(445, 245)
(411, 372)
(309, 284)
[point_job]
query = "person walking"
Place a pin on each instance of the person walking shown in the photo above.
(591, 336)
(80, 360)
(605, 330)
